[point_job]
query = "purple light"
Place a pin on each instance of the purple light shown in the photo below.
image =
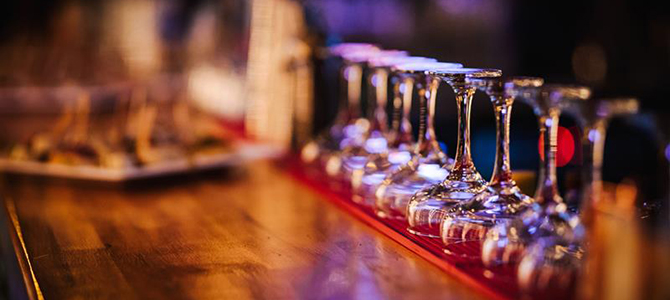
(593, 135)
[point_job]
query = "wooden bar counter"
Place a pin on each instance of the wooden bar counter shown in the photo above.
(252, 233)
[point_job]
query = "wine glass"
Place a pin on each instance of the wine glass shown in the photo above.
(371, 137)
(401, 127)
(355, 156)
(548, 215)
(557, 260)
(366, 180)
(348, 125)
(502, 200)
(594, 119)
(428, 164)
(428, 206)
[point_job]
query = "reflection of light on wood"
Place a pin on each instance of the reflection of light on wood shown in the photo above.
(275, 28)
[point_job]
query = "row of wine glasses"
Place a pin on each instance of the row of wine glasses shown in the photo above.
(445, 198)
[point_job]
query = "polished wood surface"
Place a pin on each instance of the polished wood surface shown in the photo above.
(254, 234)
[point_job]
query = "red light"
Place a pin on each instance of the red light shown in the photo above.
(566, 147)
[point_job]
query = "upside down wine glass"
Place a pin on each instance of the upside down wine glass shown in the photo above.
(348, 125)
(366, 180)
(594, 119)
(428, 165)
(428, 207)
(548, 215)
(502, 200)
(554, 263)
(373, 139)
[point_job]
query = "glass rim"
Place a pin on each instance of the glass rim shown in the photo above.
(392, 61)
(466, 72)
(567, 91)
(343, 48)
(617, 106)
(523, 81)
(424, 67)
(365, 56)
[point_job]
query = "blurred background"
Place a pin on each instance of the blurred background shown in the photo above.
(260, 63)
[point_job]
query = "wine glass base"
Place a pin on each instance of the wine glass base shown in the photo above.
(394, 194)
(550, 268)
(507, 243)
(350, 164)
(501, 253)
(472, 219)
(463, 234)
(497, 202)
(391, 200)
(428, 207)
(465, 227)
(364, 186)
(365, 181)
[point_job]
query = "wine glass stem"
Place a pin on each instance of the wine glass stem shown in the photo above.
(427, 90)
(354, 78)
(547, 190)
(397, 116)
(379, 81)
(401, 128)
(502, 172)
(463, 159)
(594, 142)
(405, 124)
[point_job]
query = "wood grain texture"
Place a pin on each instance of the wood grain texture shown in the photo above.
(258, 235)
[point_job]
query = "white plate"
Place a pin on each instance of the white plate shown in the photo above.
(243, 154)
